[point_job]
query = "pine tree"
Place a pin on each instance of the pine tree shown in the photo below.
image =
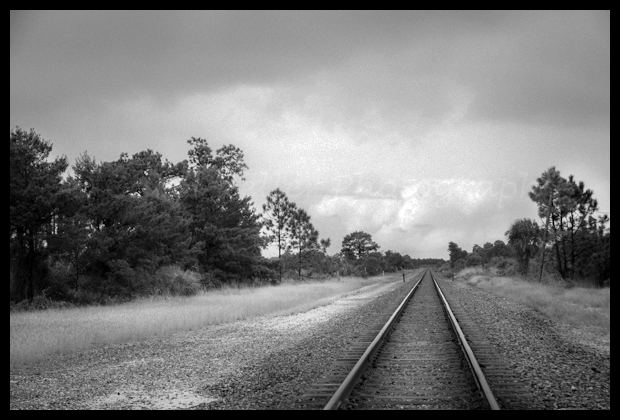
(225, 230)
(277, 213)
(456, 253)
(35, 198)
(567, 206)
(358, 245)
(303, 236)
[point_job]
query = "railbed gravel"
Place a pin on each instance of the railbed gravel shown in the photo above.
(268, 362)
(562, 367)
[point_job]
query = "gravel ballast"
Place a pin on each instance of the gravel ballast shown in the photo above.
(562, 368)
(268, 362)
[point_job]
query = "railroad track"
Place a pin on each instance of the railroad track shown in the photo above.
(415, 356)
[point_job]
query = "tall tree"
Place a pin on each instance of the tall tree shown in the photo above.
(357, 245)
(500, 249)
(303, 236)
(580, 207)
(393, 261)
(567, 206)
(593, 251)
(524, 236)
(147, 171)
(35, 198)
(325, 243)
(228, 160)
(134, 225)
(371, 263)
(456, 253)
(225, 229)
(277, 213)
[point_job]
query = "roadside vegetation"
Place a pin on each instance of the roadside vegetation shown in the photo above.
(560, 267)
(140, 246)
(140, 226)
(37, 335)
(572, 245)
(581, 307)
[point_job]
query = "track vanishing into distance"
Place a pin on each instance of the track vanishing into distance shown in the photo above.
(416, 357)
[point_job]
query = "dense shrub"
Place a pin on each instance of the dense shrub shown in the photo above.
(175, 281)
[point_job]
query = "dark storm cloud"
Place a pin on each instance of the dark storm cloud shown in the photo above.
(549, 68)
(536, 66)
(164, 52)
(542, 67)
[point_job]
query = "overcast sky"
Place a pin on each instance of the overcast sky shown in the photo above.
(419, 128)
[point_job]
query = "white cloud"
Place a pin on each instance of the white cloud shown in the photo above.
(422, 203)
(357, 213)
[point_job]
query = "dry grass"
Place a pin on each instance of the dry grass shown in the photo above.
(577, 306)
(37, 335)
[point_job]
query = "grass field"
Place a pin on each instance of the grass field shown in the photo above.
(36, 335)
(578, 306)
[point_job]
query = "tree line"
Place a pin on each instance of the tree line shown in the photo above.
(109, 228)
(143, 225)
(362, 257)
(302, 254)
(572, 241)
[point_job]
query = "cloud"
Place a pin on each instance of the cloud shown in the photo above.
(370, 74)
(358, 213)
(422, 126)
(174, 53)
(424, 206)
(549, 67)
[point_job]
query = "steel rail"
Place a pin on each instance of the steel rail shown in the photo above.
(481, 381)
(353, 377)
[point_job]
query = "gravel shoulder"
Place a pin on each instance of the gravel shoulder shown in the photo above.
(261, 363)
(267, 363)
(562, 367)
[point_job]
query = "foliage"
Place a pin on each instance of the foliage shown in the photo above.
(277, 213)
(394, 261)
(524, 237)
(36, 197)
(141, 225)
(224, 229)
(129, 224)
(289, 227)
(578, 239)
(357, 245)
(456, 253)
(359, 257)
(304, 238)
(173, 280)
(228, 160)
(110, 230)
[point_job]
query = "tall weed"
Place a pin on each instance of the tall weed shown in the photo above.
(36, 335)
(577, 306)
